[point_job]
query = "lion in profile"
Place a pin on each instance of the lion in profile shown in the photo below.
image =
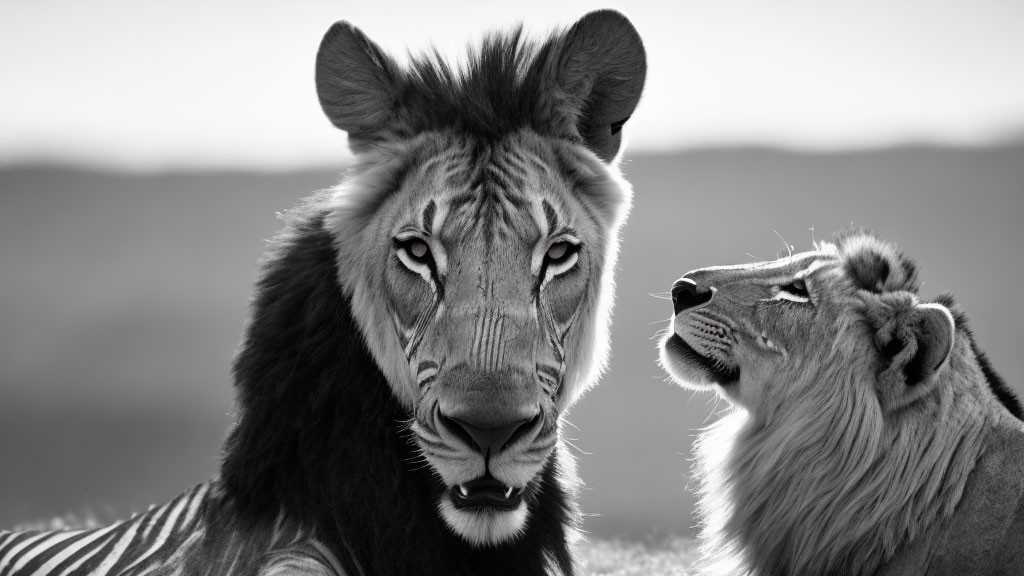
(869, 433)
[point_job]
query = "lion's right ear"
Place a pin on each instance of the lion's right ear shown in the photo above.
(357, 84)
(914, 343)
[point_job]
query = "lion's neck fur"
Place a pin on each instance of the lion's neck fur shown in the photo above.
(833, 485)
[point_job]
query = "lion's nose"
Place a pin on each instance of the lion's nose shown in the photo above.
(488, 440)
(687, 294)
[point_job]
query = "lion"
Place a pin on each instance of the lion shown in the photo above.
(868, 432)
(418, 332)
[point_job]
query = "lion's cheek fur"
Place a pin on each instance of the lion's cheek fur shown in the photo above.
(361, 262)
(590, 337)
(382, 340)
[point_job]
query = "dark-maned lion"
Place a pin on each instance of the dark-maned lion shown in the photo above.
(418, 332)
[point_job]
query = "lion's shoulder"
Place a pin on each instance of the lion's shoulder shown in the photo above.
(1012, 548)
(985, 533)
(988, 525)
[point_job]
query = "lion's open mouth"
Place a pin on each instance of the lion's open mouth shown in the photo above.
(485, 493)
(716, 369)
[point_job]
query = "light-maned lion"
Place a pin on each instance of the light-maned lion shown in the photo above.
(417, 332)
(868, 434)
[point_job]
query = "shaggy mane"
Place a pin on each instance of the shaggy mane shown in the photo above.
(1006, 396)
(498, 90)
(864, 489)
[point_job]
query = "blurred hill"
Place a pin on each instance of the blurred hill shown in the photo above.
(122, 297)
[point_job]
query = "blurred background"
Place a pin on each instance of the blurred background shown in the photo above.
(145, 149)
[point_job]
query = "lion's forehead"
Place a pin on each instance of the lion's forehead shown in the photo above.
(803, 264)
(489, 217)
(505, 192)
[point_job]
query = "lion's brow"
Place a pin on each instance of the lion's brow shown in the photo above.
(550, 215)
(428, 216)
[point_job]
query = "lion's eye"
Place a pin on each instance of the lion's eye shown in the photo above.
(415, 249)
(795, 291)
(558, 251)
(796, 288)
(418, 250)
(560, 257)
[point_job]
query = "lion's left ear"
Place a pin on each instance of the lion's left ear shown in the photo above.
(914, 343)
(599, 73)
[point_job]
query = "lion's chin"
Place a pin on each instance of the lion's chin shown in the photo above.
(484, 526)
(692, 370)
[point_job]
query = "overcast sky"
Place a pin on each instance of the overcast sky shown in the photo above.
(143, 84)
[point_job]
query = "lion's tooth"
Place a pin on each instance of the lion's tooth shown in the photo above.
(464, 491)
(508, 492)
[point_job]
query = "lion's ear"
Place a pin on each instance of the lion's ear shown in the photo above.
(875, 265)
(914, 344)
(357, 84)
(599, 75)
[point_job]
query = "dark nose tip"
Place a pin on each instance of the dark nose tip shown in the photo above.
(687, 294)
(488, 440)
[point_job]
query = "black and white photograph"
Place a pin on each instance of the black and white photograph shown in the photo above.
(628, 288)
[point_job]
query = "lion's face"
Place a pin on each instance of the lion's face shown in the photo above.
(764, 334)
(479, 288)
(744, 328)
(476, 238)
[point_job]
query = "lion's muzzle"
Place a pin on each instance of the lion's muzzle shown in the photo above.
(699, 346)
(487, 439)
(687, 294)
(493, 428)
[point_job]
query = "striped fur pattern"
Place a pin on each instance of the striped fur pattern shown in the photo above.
(164, 541)
(476, 237)
(491, 329)
(418, 331)
(859, 411)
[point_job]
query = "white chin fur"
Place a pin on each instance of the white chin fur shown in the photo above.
(484, 528)
(687, 376)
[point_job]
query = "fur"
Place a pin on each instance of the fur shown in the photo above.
(861, 421)
(305, 373)
(399, 411)
(361, 363)
(598, 193)
(581, 85)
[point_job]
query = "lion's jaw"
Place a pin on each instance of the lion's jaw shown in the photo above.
(486, 493)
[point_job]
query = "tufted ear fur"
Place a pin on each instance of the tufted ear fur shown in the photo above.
(876, 265)
(600, 71)
(357, 84)
(914, 342)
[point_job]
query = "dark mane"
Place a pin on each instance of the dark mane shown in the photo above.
(320, 435)
(497, 90)
(1007, 397)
